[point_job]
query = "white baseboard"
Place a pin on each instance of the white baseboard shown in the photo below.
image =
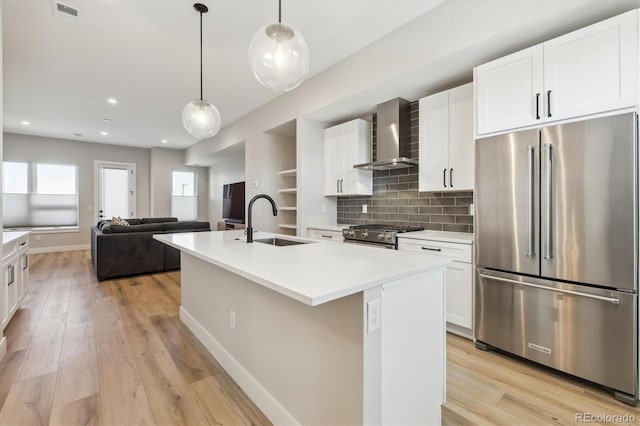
(38, 250)
(258, 394)
(3, 346)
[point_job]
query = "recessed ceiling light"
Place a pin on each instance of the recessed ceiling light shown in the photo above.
(163, 141)
(107, 120)
(104, 133)
(112, 101)
(25, 122)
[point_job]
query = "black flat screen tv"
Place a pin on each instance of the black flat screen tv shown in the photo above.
(233, 202)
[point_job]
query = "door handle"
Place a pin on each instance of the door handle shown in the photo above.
(444, 178)
(548, 103)
(537, 106)
(613, 300)
(531, 249)
(341, 182)
(337, 185)
(451, 178)
(11, 275)
(549, 200)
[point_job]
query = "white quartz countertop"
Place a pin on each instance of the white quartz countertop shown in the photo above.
(337, 227)
(313, 273)
(10, 236)
(444, 236)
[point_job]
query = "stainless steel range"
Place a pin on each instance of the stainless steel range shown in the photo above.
(384, 236)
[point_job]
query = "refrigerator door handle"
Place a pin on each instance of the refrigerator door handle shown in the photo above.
(531, 249)
(613, 300)
(548, 208)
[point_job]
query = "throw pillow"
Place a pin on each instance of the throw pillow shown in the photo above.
(119, 221)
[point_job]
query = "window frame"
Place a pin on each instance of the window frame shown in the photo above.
(32, 178)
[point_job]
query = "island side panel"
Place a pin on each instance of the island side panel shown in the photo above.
(413, 339)
(298, 363)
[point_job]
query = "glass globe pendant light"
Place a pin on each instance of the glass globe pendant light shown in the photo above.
(201, 118)
(279, 56)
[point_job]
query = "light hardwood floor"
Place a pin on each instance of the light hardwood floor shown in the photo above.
(492, 388)
(115, 352)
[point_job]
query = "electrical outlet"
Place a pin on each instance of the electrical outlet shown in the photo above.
(364, 208)
(232, 319)
(90, 208)
(38, 237)
(324, 209)
(255, 183)
(373, 315)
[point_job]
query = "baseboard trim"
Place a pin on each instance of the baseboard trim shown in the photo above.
(258, 394)
(77, 247)
(3, 346)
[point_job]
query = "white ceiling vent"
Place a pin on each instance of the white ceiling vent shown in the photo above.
(64, 11)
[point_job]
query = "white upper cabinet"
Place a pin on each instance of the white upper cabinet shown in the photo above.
(592, 70)
(446, 140)
(589, 71)
(346, 145)
(509, 91)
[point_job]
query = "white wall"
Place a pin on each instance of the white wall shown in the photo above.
(163, 162)
(83, 154)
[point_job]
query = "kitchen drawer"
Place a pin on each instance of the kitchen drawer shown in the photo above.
(326, 235)
(458, 252)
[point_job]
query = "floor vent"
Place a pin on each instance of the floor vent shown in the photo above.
(64, 11)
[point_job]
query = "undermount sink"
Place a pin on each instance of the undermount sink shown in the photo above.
(280, 242)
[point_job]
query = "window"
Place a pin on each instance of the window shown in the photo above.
(184, 199)
(38, 195)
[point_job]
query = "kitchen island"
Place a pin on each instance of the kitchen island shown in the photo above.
(319, 333)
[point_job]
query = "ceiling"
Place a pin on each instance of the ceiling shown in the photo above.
(58, 74)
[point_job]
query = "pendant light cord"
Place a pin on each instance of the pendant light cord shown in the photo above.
(201, 56)
(279, 11)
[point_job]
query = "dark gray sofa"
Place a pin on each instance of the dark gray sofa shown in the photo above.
(119, 250)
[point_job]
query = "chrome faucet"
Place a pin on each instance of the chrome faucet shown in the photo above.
(253, 200)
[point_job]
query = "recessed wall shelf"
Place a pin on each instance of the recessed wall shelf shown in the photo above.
(288, 173)
(287, 226)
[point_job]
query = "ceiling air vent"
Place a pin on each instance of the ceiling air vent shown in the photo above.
(64, 11)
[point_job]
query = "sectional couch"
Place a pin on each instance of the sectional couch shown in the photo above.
(120, 250)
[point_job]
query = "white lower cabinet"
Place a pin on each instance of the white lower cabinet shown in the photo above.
(320, 234)
(459, 282)
(15, 270)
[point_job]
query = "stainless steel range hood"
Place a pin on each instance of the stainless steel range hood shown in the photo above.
(392, 137)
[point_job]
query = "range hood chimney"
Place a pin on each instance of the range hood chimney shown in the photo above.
(392, 137)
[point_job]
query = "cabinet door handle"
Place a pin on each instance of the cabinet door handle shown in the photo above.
(337, 185)
(537, 106)
(548, 103)
(451, 178)
(25, 263)
(341, 185)
(326, 236)
(11, 275)
(444, 178)
(431, 249)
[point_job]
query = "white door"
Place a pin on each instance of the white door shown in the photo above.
(332, 161)
(593, 69)
(115, 194)
(509, 91)
(461, 138)
(433, 136)
(459, 294)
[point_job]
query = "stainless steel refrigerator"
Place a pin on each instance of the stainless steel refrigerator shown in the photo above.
(557, 248)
